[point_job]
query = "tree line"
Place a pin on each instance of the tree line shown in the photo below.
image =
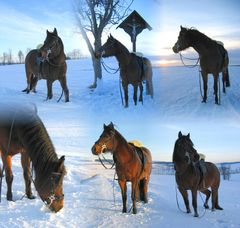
(8, 57)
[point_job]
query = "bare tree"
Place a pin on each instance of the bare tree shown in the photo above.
(93, 16)
(4, 61)
(20, 56)
(10, 57)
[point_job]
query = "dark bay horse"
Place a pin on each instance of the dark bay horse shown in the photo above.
(130, 166)
(133, 69)
(22, 131)
(213, 57)
(188, 176)
(47, 63)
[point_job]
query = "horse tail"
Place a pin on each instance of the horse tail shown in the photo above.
(227, 78)
(226, 60)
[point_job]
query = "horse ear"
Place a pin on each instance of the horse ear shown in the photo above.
(61, 163)
(181, 27)
(188, 135)
(111, 125)
(179, 134)
(104, 126)
(55, 31)
(47, 32)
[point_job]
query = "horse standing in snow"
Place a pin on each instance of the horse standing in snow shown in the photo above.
(133, 164)
(188, 175)
(47, 63)
(213, 57)
(133, 69)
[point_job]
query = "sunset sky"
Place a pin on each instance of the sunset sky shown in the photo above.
(24, 24)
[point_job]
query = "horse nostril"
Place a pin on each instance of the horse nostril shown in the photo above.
(93, 150)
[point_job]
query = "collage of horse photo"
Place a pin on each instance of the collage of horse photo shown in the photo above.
(119, 113)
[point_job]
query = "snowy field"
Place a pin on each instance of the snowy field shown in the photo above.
(76, 125)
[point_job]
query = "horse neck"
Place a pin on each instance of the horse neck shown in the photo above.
(123, 55)
(199, 42)
(38, 147)
(122, 151)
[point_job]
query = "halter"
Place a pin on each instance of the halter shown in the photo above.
(103, 147)
(52, 197)
(189, 162)
(49, 51)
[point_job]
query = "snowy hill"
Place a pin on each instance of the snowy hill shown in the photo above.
(75, 126)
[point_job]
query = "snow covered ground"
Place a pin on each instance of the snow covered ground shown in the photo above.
(75, 126)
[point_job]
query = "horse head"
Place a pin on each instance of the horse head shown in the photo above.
(182, 42)
(184, 151)
(50, 188)
(107, 49)
(51, 46)
(105, 143)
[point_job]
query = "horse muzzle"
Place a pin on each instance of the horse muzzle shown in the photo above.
(175, 48)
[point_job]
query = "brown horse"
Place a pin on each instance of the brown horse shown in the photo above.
(47, 63)
(188, 175)
(130, 165)
(213, 57)
(22, 131)
(133, 69)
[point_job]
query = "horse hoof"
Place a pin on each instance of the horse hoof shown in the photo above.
(124, 210)
(134, 210)
(31, 197)
(188, 211)
(196, 215)
(9, 198)
(219, 208)
(203, 101)
(206, 206)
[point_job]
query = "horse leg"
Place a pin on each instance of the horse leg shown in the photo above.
(215, 199)
(216, 203)
(49, 87)
(7, 160)
(33, 83)
(125, 88)
(25, 160)
(63, 83)
(205, 87)
(185, 198)
(123, 186)
(135, 94)
(208, 194)
(29, 76)
(141, 92)
(194, 202)
(145, 189)
(134, 195)
(216, 87)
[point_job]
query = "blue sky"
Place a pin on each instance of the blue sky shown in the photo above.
(24, 24)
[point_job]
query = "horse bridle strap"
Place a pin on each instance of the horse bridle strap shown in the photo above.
(49, 200)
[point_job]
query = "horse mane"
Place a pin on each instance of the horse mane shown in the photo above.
(200, 36)
(121, 46)
(38, 145)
